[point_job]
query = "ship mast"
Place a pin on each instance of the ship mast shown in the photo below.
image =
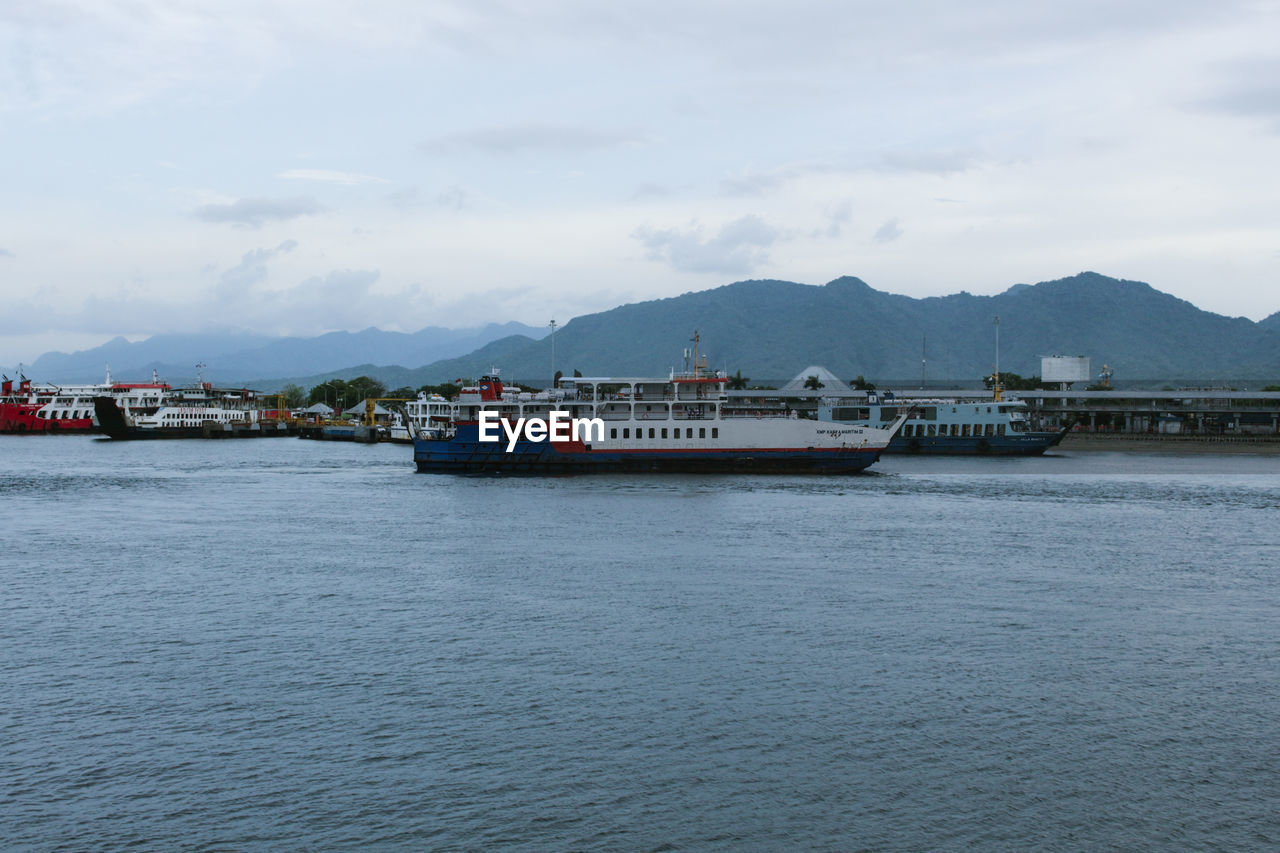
(996, 378)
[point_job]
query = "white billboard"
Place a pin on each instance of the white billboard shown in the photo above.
(1064, 368)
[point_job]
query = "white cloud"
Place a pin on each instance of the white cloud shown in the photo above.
(737, 248)
(512, 139)
(331, 177)
(253, 212)
(888, 232)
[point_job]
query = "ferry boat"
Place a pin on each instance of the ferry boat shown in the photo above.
(951, 426)
(430, 415)
(673, 424)
(69, 408)
(201, 411)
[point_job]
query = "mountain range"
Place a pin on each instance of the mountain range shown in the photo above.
(770, 330)
(238, 358)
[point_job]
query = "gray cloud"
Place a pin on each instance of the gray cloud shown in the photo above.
(739, 246)
(339, 299)
(253, 212)
(1246, 87)
(837, 217)
(930, 162)
(331, 176)
(888, 232)
(514, 139)
(753, 184)
(251, 271)
(454, 198)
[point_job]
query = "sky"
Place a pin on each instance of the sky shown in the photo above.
(303, 166)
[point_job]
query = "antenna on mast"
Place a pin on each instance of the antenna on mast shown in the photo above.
(552, 324)
(924, 340)
(996, 378)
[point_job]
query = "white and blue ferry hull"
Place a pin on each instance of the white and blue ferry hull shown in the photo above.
(465, 453)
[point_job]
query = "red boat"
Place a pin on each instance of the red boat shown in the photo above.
(53, 408)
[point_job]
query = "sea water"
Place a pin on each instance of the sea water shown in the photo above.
(278, 644)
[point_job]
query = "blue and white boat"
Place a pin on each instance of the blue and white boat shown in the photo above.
(995, 427)
(674, 424)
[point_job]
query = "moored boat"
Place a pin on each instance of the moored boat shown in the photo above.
(996, 427)
(32, 408)
(198, 412)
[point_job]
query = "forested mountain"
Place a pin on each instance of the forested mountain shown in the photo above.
(772, 329)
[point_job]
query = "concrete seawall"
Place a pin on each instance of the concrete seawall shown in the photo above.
(1128, 442)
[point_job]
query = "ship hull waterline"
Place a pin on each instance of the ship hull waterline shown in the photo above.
(465, 454)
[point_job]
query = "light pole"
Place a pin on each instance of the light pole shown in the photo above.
(553, 353)
(997, 377)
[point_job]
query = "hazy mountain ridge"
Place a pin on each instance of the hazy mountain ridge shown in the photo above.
(237, 358)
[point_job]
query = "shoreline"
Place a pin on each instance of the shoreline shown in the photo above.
(1083, 441)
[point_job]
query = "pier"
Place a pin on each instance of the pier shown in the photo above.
(1189, 413)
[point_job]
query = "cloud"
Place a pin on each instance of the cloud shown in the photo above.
(250, 272)
(5, 253)
(837, 216)
(454, 198)
(253, 212)
(515, 139)
(739, 246)
(888, 232)
(930, 162)
(755, 184)
(331, 176)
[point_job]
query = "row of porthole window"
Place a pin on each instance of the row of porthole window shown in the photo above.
(961, 430)
(655, 433)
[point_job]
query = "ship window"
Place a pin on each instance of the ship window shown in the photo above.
(715, 432)
(613, 433)
(664, 432)
(933, 429)
(986, 430)
(988, 410)
(999, 429)
(651, 433)
(626, 432)
(702, 432)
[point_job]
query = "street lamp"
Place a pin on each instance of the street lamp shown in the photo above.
(997, 376)
(553, 353)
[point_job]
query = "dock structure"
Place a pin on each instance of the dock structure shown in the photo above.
(1182, 412)
(1186, 411)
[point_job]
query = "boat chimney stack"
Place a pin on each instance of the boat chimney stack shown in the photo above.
(490, 387)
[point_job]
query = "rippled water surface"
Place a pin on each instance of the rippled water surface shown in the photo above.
(280, 644)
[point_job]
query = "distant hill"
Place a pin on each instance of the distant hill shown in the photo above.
(769, 330)
(493, 353)
(247, 359)
(772, 329)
